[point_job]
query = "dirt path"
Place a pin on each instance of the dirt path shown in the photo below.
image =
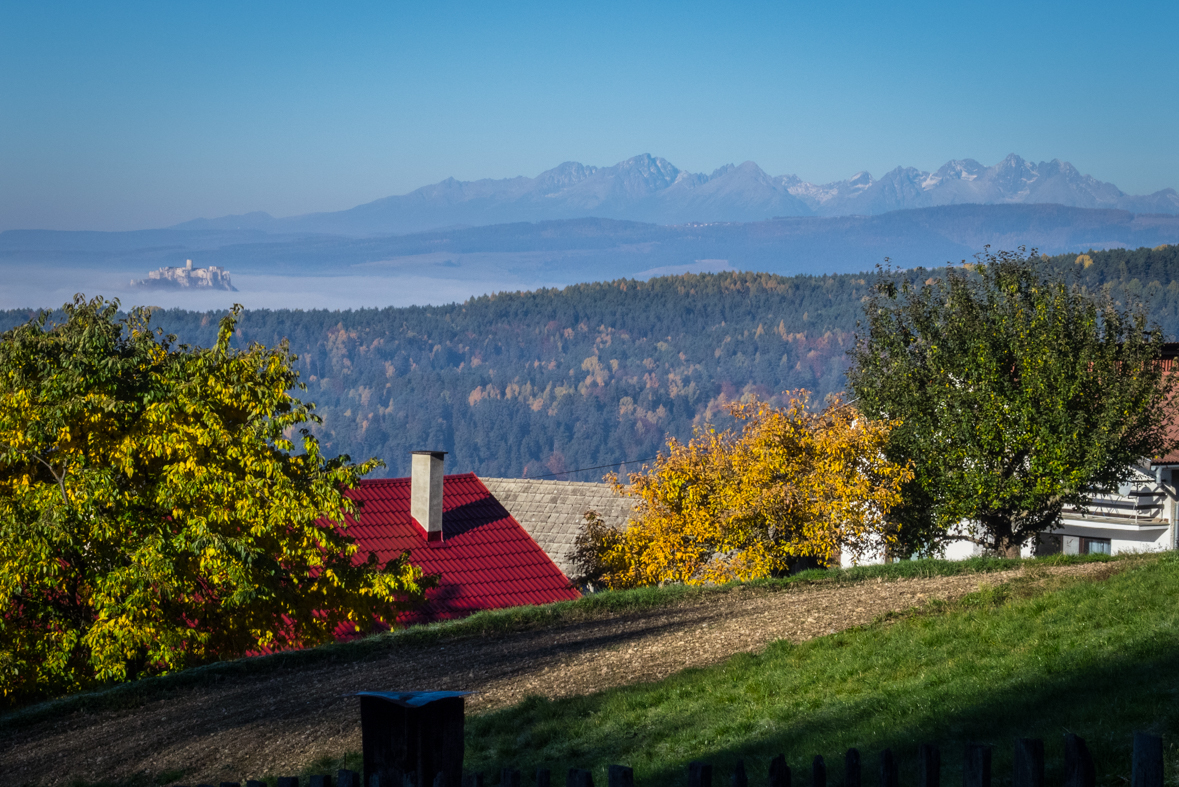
(250, 726)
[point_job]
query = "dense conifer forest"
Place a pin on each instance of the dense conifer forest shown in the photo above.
(546, 382)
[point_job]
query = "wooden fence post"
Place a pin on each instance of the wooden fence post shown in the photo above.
(576, 777)
(288, 781)
(929, 766)
(1147, 768)
(1029, 763)
(818, 772)
(851, 768)
(620, 776)
(888, 769)
(976, 768)
(256, 783)
(1078, 763)
(409, 736)
(544, 777)
(344, 778)
(469, 780)
(699, 774)
(739, 778)
(319, 780)
(779, 772)
(509, 777)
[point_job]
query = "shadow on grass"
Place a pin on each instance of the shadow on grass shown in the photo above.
(660, 727)
(1099, 667)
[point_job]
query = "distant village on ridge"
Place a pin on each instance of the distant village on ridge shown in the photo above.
(171, 278)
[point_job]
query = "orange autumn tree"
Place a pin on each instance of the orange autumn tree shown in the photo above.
(792, 483)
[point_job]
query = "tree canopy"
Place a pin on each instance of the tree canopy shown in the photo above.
(1017, 394)
(154, 513)
(550, 381)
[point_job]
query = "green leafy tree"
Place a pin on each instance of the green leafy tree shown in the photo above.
(153, 512)
(1017, 394)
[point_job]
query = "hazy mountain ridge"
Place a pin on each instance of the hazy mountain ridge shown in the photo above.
(566, 251)
(651, 189)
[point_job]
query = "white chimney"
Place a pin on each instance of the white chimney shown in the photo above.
(188, 264)
(425, 492)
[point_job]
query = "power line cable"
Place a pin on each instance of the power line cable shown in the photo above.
(598, 467)
(648, 459)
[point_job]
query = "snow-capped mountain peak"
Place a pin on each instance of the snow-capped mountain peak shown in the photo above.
(649, 188)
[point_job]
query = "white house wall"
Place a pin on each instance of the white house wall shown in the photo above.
(1139, 517)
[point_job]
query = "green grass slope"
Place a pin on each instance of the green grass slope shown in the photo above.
(1094, 658)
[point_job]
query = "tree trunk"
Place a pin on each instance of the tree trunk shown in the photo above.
(1001, 531)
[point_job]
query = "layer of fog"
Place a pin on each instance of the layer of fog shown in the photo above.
(41, 287)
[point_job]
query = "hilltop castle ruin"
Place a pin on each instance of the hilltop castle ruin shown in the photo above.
(211, 277)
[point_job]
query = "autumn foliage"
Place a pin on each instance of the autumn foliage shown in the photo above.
(791, 483)
(155, 512)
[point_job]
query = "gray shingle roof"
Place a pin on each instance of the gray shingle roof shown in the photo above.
(553, 512)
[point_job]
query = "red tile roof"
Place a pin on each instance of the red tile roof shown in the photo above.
(1169, 360)
(486, 559)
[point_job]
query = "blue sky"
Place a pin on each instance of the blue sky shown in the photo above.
(128, 115)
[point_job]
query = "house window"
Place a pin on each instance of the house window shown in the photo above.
(1078, 545)
(1096, 546)
(1048, 544)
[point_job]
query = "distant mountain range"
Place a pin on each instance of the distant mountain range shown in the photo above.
(651, 189)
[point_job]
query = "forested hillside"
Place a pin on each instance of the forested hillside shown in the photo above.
(549, 381)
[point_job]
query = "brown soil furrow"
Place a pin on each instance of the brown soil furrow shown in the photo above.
(247, 726)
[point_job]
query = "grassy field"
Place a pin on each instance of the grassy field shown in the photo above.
(485, 624)
(1038, 656)
(1024, 659)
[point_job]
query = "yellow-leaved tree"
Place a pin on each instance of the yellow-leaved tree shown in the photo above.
(154, 511)
(792, 483)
